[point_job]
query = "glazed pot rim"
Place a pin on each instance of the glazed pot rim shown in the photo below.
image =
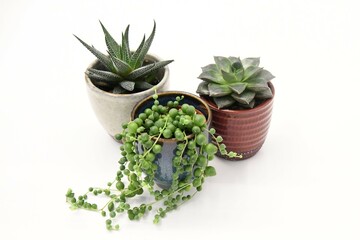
(121, 95)
(177, 93)
(239, 111)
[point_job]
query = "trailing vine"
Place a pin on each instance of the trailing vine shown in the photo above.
(141, 148)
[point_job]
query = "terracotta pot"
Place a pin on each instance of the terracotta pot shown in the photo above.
(164, 173)
(243, 131)
(112, 110)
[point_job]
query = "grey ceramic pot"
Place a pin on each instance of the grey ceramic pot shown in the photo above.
(112, 110)
(165, 170)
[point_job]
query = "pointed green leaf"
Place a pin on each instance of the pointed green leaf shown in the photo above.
(212, 76)
(123, 69)
(125, 48)
(238, 87)
(247, 62)
(128, 85)
(257, 84)
(244, 98)
(210, 67)
(217, 90)
(223, 63)
(145, 48)
(239, 74)
(203, 88)
(113, 47)
(229, 77)
(119, 90)
(264, 94)
(236, 63)
(250, 72)
(143, 85)
(135, 55)
(102, 57)
(104, 75)
(140, 72)
(265, 74)
(223, 102)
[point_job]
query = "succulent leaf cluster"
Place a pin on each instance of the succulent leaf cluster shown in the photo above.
(125, 70)
(234, 82)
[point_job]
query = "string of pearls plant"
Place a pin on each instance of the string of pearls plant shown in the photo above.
(137, 166)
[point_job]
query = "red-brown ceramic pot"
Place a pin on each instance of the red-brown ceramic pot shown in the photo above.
(243, 131)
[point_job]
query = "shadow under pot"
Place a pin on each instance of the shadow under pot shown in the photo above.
(164, 160)
(243, 131)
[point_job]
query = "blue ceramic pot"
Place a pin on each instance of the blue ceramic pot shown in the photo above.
(165, 170)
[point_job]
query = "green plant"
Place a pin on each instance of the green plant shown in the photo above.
(137, 168)
(235, 83)
(125, 71)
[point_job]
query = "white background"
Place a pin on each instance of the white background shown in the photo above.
(303, 184)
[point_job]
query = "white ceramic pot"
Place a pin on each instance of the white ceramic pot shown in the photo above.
(112, 110)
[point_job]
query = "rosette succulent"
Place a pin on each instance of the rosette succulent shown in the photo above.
(123, 70)
(235, 83)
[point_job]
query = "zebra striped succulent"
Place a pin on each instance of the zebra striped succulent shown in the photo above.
(235, 83)
(124, 71)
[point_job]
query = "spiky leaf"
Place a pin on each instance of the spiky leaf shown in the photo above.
(203, 88)
(105, 76)
(264, 94)
(143, 85)
(128, 85)
(247, 62)
(113, 47)
(122, 67)
(143, 71)
(140, 59)
(119, 90)
(223, 102)
(135, 55)
(105, 60)
(125, 48)
(244, 98)
(236, 64)
(217, 90)
(239, 74)
(237, 87)
(223, 63)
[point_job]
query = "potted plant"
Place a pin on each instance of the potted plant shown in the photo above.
(165, 159)
(240, 95)
(116, 81)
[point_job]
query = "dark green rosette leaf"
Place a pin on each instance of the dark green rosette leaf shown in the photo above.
(250, 72)
(135, 55)
(236, 64)
(223, 102)
(212, 77)
(247, 62)
(223, 63)
(217, 90)
(265, 74)
(104, 76)
(119, 90)
(244, 98)
(228, 76)
(264, 94)
(141, 56)
(238, 87)
(203, 88)
(143, 85)
(257, 85)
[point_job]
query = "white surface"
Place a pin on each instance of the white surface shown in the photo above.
(303, 184)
